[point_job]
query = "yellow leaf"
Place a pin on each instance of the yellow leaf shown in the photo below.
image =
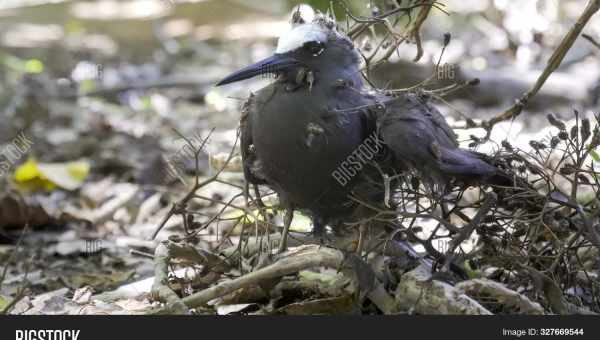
(79, 170)
(69, 176)
(300, 222)
(246, 218)
(27, 171)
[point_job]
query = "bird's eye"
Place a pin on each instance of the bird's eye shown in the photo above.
(314, 47)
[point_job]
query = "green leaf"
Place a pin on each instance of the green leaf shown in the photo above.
(87, 85)
(4, 301)
(146, 102)
(595, 155)
(34, 66)
(74, 26)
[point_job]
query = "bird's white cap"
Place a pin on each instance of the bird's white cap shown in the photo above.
(299, 35)
(307, 25)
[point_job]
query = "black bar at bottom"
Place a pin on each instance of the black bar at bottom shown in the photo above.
(310, 328)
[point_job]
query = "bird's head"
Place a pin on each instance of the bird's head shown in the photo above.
(312, 45)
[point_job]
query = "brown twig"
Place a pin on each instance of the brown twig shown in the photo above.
(179, 207)
(363, 23)
(466, 232)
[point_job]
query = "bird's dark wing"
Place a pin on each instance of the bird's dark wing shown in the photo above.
(426, 118)
(250, 163)
(419, 138)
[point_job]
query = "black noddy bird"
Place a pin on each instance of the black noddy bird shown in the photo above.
(301, 133)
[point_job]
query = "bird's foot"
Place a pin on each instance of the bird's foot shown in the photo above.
(323, 239)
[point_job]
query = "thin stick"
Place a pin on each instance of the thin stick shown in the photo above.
(591, 40)
(178, 207)
(553, 63)
(466, 232)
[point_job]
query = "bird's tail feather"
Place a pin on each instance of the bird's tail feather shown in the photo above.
(472, 167)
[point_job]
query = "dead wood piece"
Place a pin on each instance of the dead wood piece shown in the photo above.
(330, 306)
(502, 295)
(291, 262)
(553, 293)
(160, 289)
(245, 295)
(418, 293)
(308, 285)
(169, 251)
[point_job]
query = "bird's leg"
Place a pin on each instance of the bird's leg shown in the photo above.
(262, 208)
(287, 221)
(258, 196)
(319, 231)
(362, 233)
(246, 193)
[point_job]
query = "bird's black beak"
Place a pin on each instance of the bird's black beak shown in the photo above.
(272, 65)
